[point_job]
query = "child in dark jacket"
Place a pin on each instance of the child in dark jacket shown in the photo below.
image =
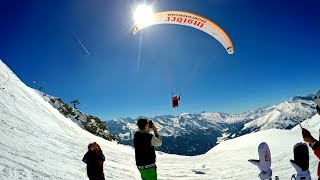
(94, 159)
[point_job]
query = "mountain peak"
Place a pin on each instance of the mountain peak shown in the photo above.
(309, 97)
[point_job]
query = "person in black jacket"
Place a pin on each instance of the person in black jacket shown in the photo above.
(94, 159)
(144, 144)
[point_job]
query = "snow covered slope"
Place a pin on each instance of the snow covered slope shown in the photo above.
(281, 142)
(37, 142)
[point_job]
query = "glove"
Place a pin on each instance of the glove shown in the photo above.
(301, 161)
(305, 133)
(307, 136)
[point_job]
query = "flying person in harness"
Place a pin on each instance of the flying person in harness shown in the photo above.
(175, 101)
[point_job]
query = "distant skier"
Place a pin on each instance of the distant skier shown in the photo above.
(144, 144)
(175, 101)
(94, 159)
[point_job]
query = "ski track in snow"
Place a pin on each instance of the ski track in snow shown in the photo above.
(37, 142)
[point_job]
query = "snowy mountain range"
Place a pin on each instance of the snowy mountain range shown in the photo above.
(194, 134)
(37, 142)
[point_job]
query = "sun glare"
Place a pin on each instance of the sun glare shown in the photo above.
(143, 14)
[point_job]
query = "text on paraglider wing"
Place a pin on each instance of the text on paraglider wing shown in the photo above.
(187, 16)
(186, 20)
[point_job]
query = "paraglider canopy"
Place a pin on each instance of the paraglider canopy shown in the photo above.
(145, 18)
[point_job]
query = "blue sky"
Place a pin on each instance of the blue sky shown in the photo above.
(276, 54)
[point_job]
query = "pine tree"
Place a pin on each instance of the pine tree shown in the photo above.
(75, 102)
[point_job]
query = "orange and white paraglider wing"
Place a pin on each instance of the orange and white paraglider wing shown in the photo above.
(188, 19)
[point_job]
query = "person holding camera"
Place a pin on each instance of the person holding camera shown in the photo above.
(145, 154)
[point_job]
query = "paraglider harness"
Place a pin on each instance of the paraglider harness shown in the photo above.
(175, 101)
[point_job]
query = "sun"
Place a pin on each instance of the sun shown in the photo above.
(143, 14)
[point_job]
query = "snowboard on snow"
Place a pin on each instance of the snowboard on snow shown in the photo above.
(264, 157)
(301, 158)
(264, 162)
(301, 155)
